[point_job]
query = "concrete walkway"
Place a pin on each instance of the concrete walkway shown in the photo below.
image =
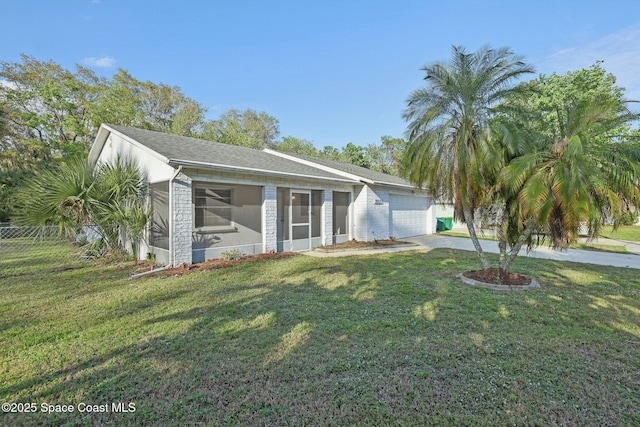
(435, 241)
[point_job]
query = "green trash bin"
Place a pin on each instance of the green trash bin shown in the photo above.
(440, 224)
(448, 222)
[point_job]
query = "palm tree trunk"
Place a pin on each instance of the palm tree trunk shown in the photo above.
(502, 235)
(531, 226)
(468, 219)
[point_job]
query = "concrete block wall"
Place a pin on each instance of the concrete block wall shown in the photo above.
(378, 214)
(370, 214)
(431, 217)
(182, 219)
(359, 214)
(327, 217)
(269, 218)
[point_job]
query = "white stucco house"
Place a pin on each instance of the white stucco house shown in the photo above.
(208, 197)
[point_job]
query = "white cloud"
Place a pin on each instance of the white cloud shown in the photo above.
(100, 62)
(620, 52)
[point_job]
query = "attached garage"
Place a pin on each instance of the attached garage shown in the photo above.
(408, 216)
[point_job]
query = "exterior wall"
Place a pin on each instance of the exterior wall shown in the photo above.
(155, 169)
(431, 217)
(359, 213)
(371, 212)
(378, 213)
(327, 217)
(182, 220)
(269, 218)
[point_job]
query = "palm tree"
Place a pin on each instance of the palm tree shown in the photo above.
(448, 124)
(110, 198)
(580, 174)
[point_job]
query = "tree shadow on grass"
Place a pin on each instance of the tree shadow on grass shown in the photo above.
(364, 340)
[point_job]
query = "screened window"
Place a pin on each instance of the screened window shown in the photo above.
(159, 232)
(213, 207)
(316, 212)
(340, 213)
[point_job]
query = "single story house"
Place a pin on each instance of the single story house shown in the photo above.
(208, 197)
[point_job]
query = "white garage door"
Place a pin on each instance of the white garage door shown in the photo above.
(408, 216)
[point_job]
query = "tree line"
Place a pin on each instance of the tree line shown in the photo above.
(50, 115)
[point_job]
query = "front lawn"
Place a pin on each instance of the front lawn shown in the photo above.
(625, 232)
(388, 339)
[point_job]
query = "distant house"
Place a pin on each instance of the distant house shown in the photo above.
(208, 197)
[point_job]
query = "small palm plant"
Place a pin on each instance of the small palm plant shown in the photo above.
(111, 199)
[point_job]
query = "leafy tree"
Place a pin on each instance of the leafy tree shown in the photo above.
(75, 194)
(330, 152)
(9, 183)
(46, 108)
(548, 97)
(248, 128)
(127, 101)
(290, 144)
(388, 156)
(448, 124)
(354, 154)
(49, 113)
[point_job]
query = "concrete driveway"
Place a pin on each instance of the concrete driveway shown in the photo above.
(574, 255)
(435, 241)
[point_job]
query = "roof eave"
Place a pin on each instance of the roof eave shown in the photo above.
(319, 166)
(98, 144)
(392, 184)
(196, 164)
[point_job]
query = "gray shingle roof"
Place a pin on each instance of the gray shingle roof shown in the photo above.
(367, 174)
(185, 150)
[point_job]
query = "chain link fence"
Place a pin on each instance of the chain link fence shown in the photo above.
(35, 250)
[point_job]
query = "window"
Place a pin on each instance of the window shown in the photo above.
(340, 213)
(213, 208)
(159, 231)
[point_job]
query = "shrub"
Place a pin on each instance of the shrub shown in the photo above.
(232, 254)
(629, 218)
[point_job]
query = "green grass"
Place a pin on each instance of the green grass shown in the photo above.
(629, 233)
(389, 339)
(618, 249)
(466, 234)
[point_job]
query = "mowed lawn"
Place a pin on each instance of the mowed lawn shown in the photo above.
(391, 339)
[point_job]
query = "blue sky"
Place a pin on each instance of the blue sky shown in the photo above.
(330, 71)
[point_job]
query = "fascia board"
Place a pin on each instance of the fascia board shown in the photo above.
(319, 166)
(136, 144)
(192, 163)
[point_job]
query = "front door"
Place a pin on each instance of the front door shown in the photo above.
(300, 215)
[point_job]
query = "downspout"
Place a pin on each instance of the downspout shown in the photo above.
(171, 218)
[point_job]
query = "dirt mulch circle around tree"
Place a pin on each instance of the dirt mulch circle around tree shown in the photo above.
(215, 264)
(357, 244)
(496, 278)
